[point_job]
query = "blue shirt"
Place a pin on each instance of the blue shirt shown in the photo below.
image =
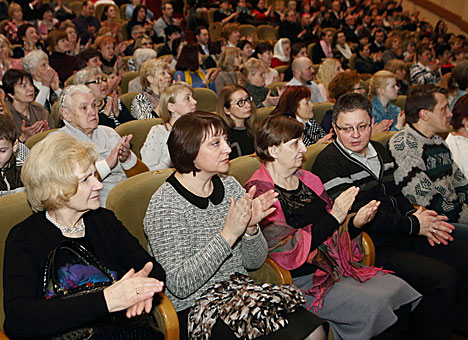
(380, 113)
(196, 81)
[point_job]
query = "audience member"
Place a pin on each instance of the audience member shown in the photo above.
(131, 6)
(365, 62)
(326, 72)
(109, 20)
(457, 140)
(303, 75)
(15, 21)
(324, 48)
(253, 72)
(10, 179)
(392, 49)
(425, 71)
(29, 41)
(229, 64)
(262, 14)
(290, 28)
(165, 20)
(112, 63)
(172, 32)
(72, 36)
(342, 51)
(264, 52)
(139, 18)
(281, 53)
(398, 68)
(6, 60)
(64, 64)
(460, 74)
(139, 57)
(298, 49)
(89, 57)
(231, 33)
(86, 23)
(136, 32)
(225, 14)
(47, 22)
(246, 49)
(444, 54)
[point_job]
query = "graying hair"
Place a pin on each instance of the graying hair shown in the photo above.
(84, 75)
(143, 54)
(68, 93)
(33, 58)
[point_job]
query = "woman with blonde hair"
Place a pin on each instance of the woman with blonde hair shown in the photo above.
(15, 20)
(237, 110)
(6, 60)
(398, 67)
(155, 76)
(383, 89)
(176, 100)
(254, 74)
(281, 53)
(327, 71)
(229, 63)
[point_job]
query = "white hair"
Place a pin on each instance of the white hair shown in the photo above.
(33, 58)
(84, 75)
(143, 54)
(68, 94)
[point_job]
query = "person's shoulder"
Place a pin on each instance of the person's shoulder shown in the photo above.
(403, 140)
(106, 130)
(31, 227)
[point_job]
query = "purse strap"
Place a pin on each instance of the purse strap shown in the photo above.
(50, 272)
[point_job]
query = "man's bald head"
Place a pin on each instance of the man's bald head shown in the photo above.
(300, 64)
(303, 69)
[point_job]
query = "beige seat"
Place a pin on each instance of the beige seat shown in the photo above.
(276, 85)
(33, 140)
(206, 99)
(127, 99)
(215, 30)
(312, 153)
(267, 33)
(242, 168)
(126, 77)
(54, 111)
(211, 13)
(320, 109)
(282, 68)
(400, 101)
(247, 30)
(383, 137)
(352, 61)
(309, 50)
(263, 113)
(139, 129)
(122, 10)
(124, 31)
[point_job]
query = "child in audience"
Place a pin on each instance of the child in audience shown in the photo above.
(10, 174)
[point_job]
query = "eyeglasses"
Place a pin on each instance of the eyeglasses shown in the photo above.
(350, 129)
(242, 102)
(97, 81)
(357, 89)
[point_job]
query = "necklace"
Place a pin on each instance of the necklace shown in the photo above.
(63, 229)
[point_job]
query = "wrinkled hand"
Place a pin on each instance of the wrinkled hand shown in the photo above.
(130, 290)
(366, 213)
(262, 206)
(145, 305)
(434, 227)
(113, 82)
(237, 218)
(120, 152)
(343, 204)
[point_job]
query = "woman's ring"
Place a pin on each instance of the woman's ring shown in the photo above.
(433, 231)
(138, 291)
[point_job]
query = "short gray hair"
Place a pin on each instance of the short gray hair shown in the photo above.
(33, 58)
(68, 93)
(84, 75)
(143, 54)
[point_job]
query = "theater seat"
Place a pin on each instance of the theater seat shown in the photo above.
(206, 99)
(139, 129)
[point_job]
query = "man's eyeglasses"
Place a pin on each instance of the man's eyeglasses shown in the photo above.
(97, 81)
(350, 129)
(242, 102)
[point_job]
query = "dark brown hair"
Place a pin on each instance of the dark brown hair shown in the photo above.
(342, 83)
(7, 129)
(188, 59)
(421, 97)
(11, 78)
(289, 101)
(187, 135)
(273, 131)
(460, 111)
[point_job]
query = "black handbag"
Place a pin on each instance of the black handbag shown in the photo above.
(113, 326)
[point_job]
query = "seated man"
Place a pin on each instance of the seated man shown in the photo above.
(415, 244)
(425, 170)
(303, 75)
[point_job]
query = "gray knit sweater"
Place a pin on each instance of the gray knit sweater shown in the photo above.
(186, 240)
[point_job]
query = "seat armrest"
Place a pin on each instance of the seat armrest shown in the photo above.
(166, 317)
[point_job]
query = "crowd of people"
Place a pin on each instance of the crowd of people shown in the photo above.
(64, 70)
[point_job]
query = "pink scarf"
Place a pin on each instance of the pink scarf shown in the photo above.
(326, 49)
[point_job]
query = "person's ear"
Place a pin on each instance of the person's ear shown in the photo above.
(273, 151)
(423, 114)
(170, 107)
(15, 145)
(150, 79)
(65, 114)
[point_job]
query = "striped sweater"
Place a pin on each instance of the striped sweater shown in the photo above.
(427, 174)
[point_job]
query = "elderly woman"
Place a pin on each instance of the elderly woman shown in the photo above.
(176, 101)
(281, 53)
(253, 73)
(383, 89)
(6, 60)
(63, 191)
(29, 118)
(111, 111)
(188, 68)
(458, 139)
(155, 76)
(327, 71)
(202, 228)
(235, 107)
(139, 57)
(295, 103)
(116, 160)
(229, 63)
(15, 20)
(111, 62)
(308, 234)
(45, 79)
(59, 59)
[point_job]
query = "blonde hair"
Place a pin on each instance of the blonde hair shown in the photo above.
(379, 80)
(13, 7)
(5, 41)
(251, 66)
(169, 96)
(48, 173)
(395, 65)
(226, 60)
(224, 102)
(326, 71)
(152, 67)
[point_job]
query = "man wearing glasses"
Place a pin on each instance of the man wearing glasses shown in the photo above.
(415, 244)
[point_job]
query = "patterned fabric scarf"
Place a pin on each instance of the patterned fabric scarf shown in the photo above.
(249, 309)
(152, 97)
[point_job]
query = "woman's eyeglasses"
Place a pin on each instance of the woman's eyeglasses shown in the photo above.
(242, 102)
(97, 81)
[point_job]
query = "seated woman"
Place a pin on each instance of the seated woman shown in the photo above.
(62, 189)
(308, 234)
(65, 65)
(365, 63)
(327, 71)
(457, 140)
(398, 68)
(47, 22)
(229, 64)
(139, 57)
(155, 76)
(109, 20)
(262, 14)
(202, 228)
(393, 49)
(295, 103)
(253, 74)
(383, 89)
(111, 111)
(143, 41)
(264, 52)
(176, 100)
(29, 41)
(15, 21)
(342, 51)
(236, 109)
(6, 60)
(231, 34)
(29, 118)
(246, 49)
(189, 71)
(23, 150)
(323, 49)
(281, 53)
(111, 62)
(116, 160)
